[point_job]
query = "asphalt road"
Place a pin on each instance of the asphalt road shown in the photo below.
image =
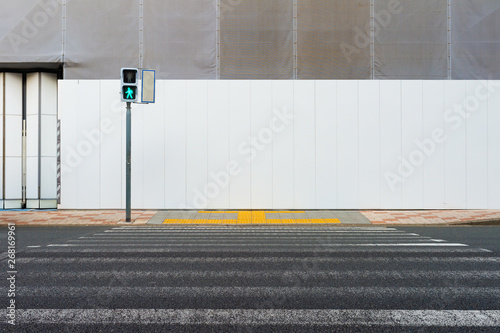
(255, 279)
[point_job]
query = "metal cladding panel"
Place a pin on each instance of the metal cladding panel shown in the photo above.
(256, 39)
(102, 37)
(332, 41)
(30, 31)
(180, 38)
(411, 39)
(475, 51)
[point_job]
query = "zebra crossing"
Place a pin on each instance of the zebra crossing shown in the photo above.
(258, 279)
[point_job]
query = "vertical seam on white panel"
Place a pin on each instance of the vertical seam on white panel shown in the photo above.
(379, 151)
(272, 145)
(100, 140)
(444, 204)
(380, 145)
(372, 39)
(250, 123)
(39, 137)
(295, 38)
(336, 145)
(487, 150)
(422, 138)
(315, 151)
(357, 139)
(401, 134)
(186, 134)
(141, 34)
(466, 155)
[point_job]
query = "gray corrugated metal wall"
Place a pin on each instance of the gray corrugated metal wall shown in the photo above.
(257, 39)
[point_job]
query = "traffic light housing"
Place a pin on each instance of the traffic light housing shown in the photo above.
(130, 82)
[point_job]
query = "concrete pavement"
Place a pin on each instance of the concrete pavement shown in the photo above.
(142, 217)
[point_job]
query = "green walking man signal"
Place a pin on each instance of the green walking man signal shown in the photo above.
(130, 82)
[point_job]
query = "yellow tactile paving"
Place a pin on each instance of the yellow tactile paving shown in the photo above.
(202, 221)
(258, 215)
(247, 217)
(177, 221)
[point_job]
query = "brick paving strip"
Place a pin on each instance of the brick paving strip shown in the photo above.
(74, 217)
(141, 217)
(425, 217)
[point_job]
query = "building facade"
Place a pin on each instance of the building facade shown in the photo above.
(292, 104)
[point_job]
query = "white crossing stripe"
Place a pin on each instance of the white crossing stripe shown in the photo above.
(419, 318)
(267, 245)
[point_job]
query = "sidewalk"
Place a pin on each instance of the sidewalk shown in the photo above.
(153, 217)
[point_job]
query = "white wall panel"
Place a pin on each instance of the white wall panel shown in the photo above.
(70, 160)
(197, 164)
(88, 144)
(137, 176)
(218, 144)
(339, 158)
(283, 113)
(494, 145)
(433, 144)
(477, 146)
(369, 144)
(326, 144)
(32, 134)
(239, 131)
(175, 144)
(13, 180)
(13, 138)
(48, 182)
(455, 146)
(48, 143)
(112, 113)
(154, 150)
(49, 94)
(261, 144)
(304, 141)
(412, 191)
(347, 144)
(392, 171)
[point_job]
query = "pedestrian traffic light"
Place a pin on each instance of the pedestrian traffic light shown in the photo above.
(130, 82)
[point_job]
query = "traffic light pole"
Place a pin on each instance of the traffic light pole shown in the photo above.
(129, 163)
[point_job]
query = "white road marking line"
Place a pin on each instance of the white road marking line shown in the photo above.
(33, 246)
(422, 318)
(267, 245)
(267, 259)
(259, 273)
